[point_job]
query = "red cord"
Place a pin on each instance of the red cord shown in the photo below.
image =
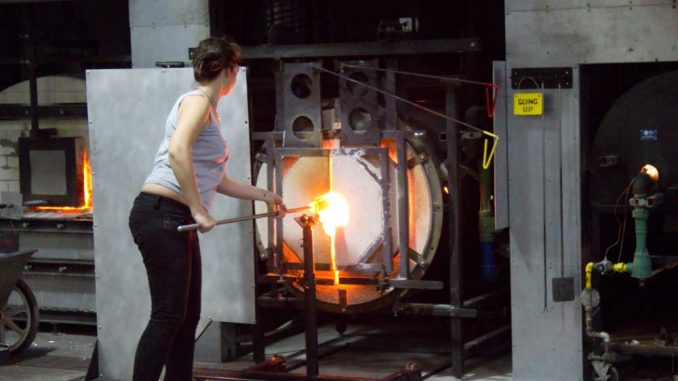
(491, 105)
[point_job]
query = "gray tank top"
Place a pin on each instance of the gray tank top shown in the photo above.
(210, 155)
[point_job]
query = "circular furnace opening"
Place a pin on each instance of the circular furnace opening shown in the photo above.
(359, 245)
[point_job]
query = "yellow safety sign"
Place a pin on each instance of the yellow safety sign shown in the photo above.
(528, 104)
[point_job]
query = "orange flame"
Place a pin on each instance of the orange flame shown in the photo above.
(332, 210)
(87, 192)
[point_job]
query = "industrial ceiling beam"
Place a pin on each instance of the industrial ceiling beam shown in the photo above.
(371, 49)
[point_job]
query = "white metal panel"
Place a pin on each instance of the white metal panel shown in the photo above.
(553, 5)
(547, 341)
(127, 111)
(501, 201)
(603, 33)
(547, 336)
(162, 30)
(164, 12)
(151, 44)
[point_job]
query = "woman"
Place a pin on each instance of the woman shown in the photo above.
(189, 168)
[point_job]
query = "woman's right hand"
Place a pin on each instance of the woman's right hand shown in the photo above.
(204, 220)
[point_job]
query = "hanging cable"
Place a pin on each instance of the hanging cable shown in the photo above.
(490, 104)
(487, 156)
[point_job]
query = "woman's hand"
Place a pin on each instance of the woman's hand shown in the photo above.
(275, 202)
(204, 220)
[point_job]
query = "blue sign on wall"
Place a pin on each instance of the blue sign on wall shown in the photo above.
(649, 135)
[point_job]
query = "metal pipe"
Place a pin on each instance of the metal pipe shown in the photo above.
(441, 310)
(642, 266)
(310, 313)
(486, 225)
(454, 235)
(588, 313)
(475, 343)
(33, 86)
(275, 214)
(484, 297)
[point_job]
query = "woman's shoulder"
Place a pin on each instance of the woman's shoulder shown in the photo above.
(193, 94)
(193, 100)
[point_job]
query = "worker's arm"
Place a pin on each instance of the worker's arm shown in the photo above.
(193, 117)
(237, 189)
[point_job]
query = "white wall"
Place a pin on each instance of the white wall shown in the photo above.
(51, 90)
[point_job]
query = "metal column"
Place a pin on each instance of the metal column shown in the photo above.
(456, 260)
(310, 313)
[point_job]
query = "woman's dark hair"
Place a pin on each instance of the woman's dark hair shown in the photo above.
(212, 55)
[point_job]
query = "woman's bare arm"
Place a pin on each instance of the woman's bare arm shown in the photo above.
(193, 117)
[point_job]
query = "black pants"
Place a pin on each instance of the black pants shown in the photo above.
(173, 265)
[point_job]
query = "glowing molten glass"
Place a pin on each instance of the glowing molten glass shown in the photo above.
(651, 171)
(332, 210)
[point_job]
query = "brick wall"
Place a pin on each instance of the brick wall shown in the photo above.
(53, 89)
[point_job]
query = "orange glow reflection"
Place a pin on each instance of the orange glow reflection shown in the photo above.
(87, 192)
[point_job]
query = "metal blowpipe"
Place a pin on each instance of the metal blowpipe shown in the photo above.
(184, 228)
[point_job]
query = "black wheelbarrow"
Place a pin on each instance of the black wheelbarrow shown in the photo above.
(18, 307)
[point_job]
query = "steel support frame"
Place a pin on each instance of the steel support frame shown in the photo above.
(456, 258)
(456, 309)
(384, 183)
(276, 368)
(364, 49)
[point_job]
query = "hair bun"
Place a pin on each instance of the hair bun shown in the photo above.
(212, 55)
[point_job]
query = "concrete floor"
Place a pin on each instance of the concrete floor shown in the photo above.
(362, 352)
(368, 351)
(52, 357)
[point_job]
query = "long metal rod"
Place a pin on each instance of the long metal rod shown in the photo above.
(484, 297)
(421, 75)
(275, 214)
(477, 342)
(407, 101)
